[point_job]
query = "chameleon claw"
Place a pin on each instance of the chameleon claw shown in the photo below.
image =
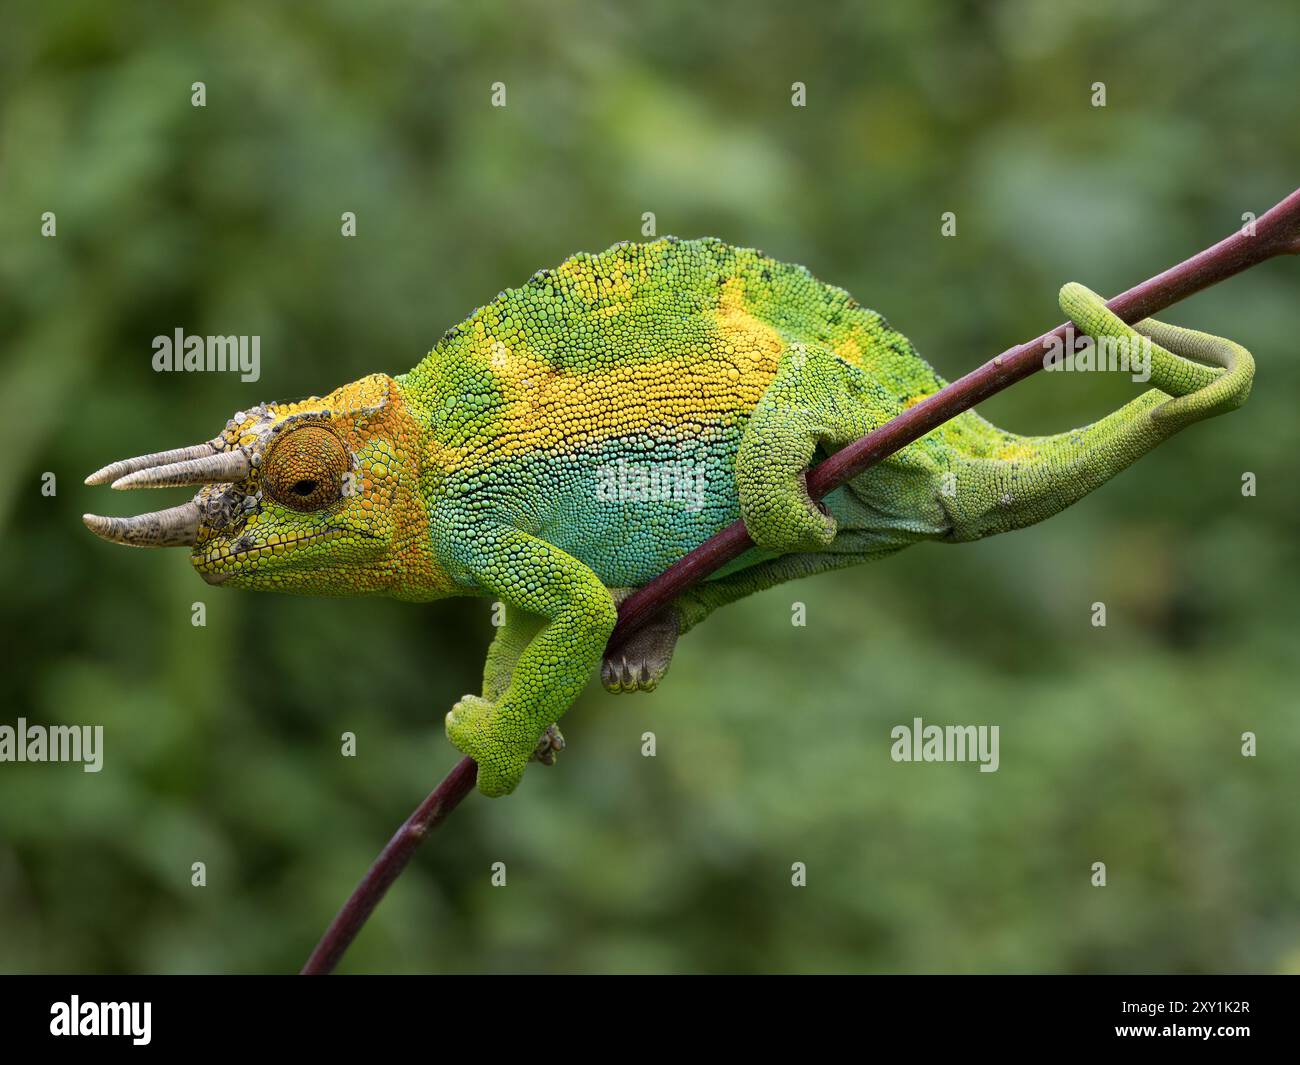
(618, 674)
(641, 662)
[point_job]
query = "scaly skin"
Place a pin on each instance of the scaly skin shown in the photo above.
(579, 434)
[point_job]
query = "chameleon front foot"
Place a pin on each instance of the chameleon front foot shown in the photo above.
(501, 742)
(549, 746)
(641, 662)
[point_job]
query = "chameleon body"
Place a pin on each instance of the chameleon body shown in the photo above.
(577, 435)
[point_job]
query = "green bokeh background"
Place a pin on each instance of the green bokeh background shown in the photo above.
(1119, 744)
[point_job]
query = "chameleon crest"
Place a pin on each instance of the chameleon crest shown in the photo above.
(579, 434)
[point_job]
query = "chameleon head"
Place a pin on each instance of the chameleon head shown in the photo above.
(320, 497)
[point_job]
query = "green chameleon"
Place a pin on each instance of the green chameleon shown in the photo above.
(576, 436)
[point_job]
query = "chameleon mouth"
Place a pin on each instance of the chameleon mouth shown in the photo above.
(244, 547)
(250, 553)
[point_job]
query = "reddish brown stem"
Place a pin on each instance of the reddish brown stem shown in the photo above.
(389, 865)
(1276, 233)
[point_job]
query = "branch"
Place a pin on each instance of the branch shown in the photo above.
(1277, 232)
(389, 865)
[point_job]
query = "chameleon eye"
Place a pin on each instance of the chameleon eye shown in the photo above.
(304, 469)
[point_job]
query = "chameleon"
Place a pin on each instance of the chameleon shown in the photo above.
(575, 436)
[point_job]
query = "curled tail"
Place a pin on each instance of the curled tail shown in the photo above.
(1023, 480)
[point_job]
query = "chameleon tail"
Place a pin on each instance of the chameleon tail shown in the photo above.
(1023, 480)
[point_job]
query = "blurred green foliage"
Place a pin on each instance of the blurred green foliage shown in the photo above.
(1119, 744)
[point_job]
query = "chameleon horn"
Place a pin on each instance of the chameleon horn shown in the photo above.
(116, 470)
(209, 469)
(176, 527)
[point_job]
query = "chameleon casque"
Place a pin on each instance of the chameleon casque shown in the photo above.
(577, 435)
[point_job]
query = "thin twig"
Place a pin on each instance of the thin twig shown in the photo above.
(389, 865)
(1277, 232)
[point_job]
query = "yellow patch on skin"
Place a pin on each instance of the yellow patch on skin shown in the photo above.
(547, 409)
(849, 350)
(739, 328)
(613, 284)
(1025, 449)
(439, 455)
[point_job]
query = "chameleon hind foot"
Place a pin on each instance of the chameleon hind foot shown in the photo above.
(786, 520)
(799, 524)
(640, 663)
(813, 401)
